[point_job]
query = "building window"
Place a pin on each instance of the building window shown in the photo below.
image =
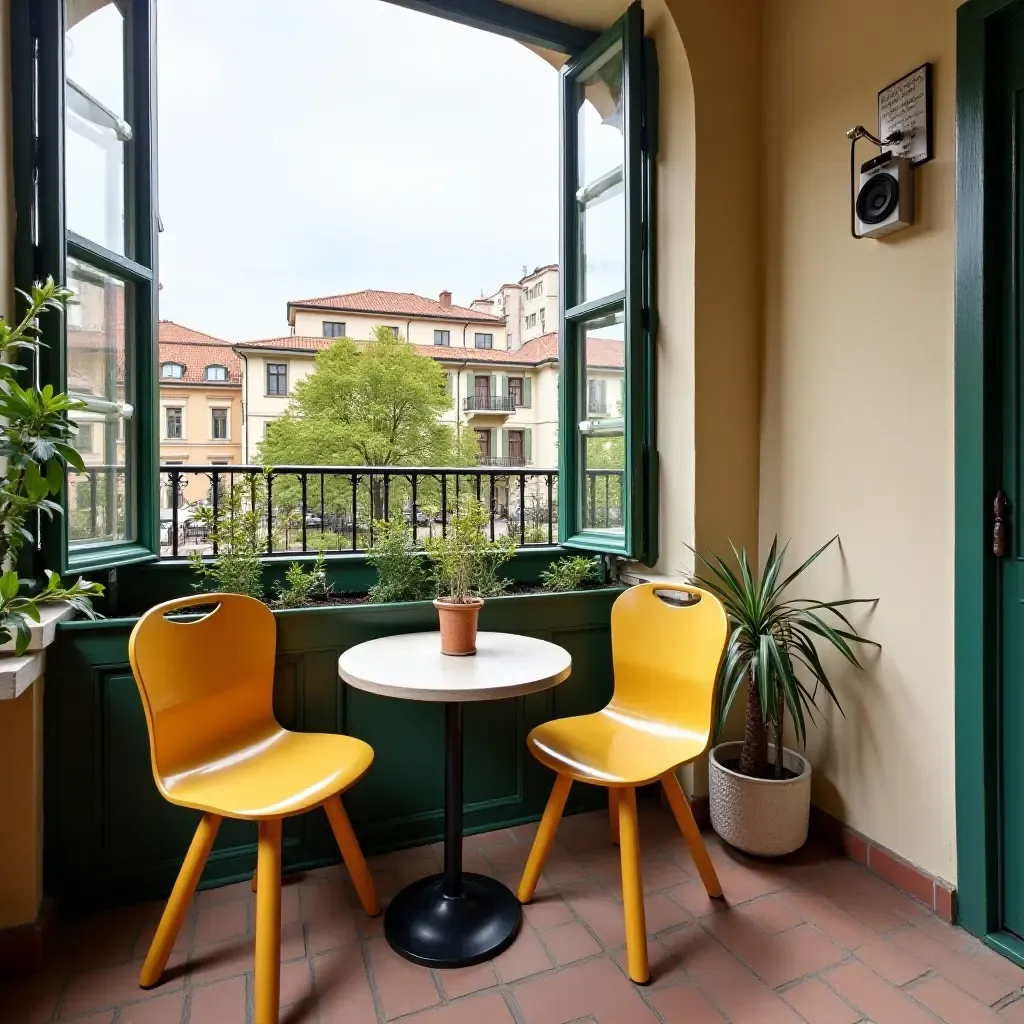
(219, 425)
(222, 481)
(483, 341)
(173, 371)
(515, 390)
(216, 373)
(597, 397)
(277, 378)
(394, 332)
(542, 326)
(443, 338)
(483, 438)
(334, 329)
(531, 321)
(174, 417)
(515, 447)
(84, 438)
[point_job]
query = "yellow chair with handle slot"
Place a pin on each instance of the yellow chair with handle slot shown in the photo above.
(215, 746)
(666, 651)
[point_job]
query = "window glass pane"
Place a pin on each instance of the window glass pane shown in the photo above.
(602, 424)
(96, 132)
(600, 195)
(96, 373)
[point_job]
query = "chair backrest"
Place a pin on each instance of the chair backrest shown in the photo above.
(666, 655)
(206, 684)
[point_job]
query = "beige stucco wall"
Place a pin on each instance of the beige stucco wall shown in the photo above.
(858, 416)
(310, 324)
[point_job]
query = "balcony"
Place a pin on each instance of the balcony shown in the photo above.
(488, 405)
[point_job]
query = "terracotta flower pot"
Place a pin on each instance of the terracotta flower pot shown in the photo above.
(458, 626)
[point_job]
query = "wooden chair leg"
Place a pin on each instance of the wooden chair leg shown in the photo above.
(688, 826)
(613, 814)
(268, 923)
(177, 904)
(545, 837)
(632, 888)
(352, 855)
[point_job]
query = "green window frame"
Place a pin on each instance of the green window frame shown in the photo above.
(608, 467)
(115, 270)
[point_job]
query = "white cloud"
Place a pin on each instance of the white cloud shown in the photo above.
(325, 146)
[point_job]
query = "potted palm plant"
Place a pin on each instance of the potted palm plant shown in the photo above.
(465, 568)
(760, 791)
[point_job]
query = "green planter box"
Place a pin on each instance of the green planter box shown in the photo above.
(110, 836)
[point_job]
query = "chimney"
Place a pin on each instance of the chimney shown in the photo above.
(446, 299)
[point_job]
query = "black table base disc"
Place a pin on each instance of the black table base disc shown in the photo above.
(434, 930)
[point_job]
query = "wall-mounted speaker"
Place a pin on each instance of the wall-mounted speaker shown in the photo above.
(885, 199)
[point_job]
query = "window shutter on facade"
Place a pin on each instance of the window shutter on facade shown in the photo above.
(528, 445)
(469, 388)
(494, 386)
(503, 385)
(527, 393)
(494, 440)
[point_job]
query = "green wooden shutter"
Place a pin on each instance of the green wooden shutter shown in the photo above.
(494, 441)
(494, 386)
(528, 444)
(527, 393)
(503, 385)
(469, 386)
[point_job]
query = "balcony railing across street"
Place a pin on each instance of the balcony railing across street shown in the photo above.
(488, 403)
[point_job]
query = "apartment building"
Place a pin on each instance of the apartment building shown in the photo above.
(200, 407)
(529, 305)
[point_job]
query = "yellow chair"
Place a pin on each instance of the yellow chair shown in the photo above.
(207, 690)
(666, 658)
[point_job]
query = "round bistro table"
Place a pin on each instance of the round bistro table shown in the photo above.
(457, 918)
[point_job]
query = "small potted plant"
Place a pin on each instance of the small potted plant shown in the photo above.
(465, 567)
(760, 793)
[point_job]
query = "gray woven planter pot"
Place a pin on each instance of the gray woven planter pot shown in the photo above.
(765, 817)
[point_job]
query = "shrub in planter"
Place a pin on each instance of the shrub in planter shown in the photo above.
(465, 567)
(760, 799)
(400, 565)
(571, 573)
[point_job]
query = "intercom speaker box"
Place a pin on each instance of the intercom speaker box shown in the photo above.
(885, 198)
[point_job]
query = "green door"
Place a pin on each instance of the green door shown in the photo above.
(1006, 116)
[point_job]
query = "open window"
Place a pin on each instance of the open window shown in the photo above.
(606, 436)
(84, 97)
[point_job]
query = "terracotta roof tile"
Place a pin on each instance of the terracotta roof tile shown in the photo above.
(196, 351)
(394, 304)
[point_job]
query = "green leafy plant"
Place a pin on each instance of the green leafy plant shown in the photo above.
(301, 586)
(237, 530)
(36, 443)
(401, 567)
(465, 560)
(571, 573)
(772, 647)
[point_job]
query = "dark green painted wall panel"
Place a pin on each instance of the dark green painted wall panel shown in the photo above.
(110, 836)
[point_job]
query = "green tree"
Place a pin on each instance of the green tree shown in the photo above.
(368, 404)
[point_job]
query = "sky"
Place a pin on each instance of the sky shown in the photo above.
(323, 146)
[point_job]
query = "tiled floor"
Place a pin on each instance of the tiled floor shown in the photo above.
(815, 940)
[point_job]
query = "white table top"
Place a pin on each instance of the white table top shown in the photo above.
(411, 666)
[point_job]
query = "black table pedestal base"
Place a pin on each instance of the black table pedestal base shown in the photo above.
(434, 930)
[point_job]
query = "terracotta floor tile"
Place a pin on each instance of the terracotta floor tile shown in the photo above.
(103, 1017)
(221, 921)
(964, 972)
(876, 998)
(896, 965)
(662, 912)
(838, 924)
(771, 914)
(524, 957)
(685, 1004)
(952, 1005)
(31, 999)
(1014, 1013)
(570, 942)
(219, 1003)
(296, 982)
(467, 980)
(113, 986)
(343, 989)
(818, 1004)
(596, 988)
(486, 1009)
(546, 912)
(224, 893)
(402, 987)
(163, 1009)
(991, 961)
(602, 915)
(694, 898)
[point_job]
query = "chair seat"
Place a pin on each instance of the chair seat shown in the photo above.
(608, 749)
(274, 775)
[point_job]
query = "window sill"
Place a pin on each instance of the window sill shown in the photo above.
(19, 672)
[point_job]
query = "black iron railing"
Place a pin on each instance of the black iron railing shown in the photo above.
(488, 403)
(335, 508)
